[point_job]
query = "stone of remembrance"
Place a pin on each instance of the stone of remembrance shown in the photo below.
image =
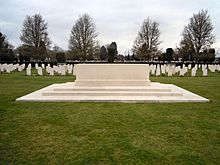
(112, 83)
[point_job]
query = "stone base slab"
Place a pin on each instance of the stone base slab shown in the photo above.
(155, 92)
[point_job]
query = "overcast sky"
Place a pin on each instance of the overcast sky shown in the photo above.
(116, 20)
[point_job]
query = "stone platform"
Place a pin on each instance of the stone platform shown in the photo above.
(112, 83)
(156, 92)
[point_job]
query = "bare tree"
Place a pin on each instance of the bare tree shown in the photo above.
(34, 36)
(82, 37)
(34, 31)
(197, 35)
(147, 41)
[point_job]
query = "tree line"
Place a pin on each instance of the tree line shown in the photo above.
(195, 45)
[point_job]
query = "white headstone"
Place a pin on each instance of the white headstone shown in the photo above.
(173, 70)
(36, 65)
(196, 66)
(182, 72)
(51, 71)
(170, 71)
(20, 68)
(158, 70)
(183, 66)
(189, 66)
(62, 70)
(153, 69)
(55, 68)
(163, 70)
(9, 68)
(70, 69)
(48, 69)
(193, 72)
(28, 71)
(29, 66)
(39, 71)
(23, 66)
(205, 72)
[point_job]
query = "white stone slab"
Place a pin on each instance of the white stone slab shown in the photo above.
(112, 75)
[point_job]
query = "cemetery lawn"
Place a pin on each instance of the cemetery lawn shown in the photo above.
(108, 133)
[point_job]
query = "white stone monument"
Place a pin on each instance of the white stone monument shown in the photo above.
(112, 75)
(112, 83)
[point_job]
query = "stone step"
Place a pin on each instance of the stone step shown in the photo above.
(115, 89)
(109, 93)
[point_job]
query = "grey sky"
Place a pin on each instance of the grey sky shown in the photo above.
(116, 20)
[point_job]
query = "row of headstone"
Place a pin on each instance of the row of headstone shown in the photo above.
(171, 70)
(60, 69)
(157, 70)
(213, 68)
(8, 68)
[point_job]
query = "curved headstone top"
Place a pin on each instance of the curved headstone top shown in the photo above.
(112, 75)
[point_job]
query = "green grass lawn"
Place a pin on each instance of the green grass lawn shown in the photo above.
(108, 133)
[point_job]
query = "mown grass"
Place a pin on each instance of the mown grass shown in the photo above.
(108, 133)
